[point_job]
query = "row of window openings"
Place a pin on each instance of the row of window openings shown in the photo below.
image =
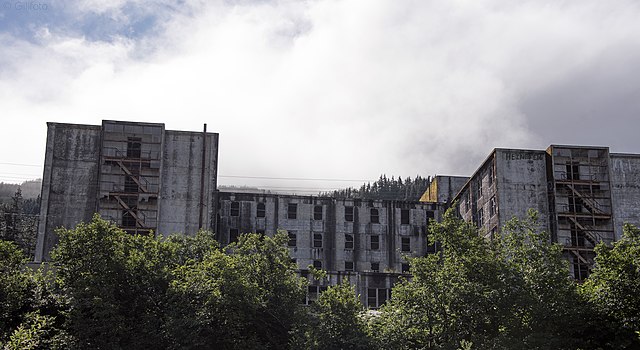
(350, 266)
(374, 242)
(492, 211)
(292, 213)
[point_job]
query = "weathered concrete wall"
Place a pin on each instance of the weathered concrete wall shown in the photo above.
(625, 190)
(507, 185)
(521, 177)
(179, 204)
(70, 181)
(334, 226)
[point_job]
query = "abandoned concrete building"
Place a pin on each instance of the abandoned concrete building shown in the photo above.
(584, 195)
(148, 179)
(138, 175)
(365, 241)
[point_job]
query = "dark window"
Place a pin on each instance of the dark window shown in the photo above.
(480, 217)
(130, 185)
(233, 235)
(375, 242)
(405, 268)
(317, 212)
(348, 241)
(580, 269)
(313, 292)
(577, 236)
(317, 240)
(317, 264)
(134, 147)
(375, 266)
(261, 211)
(430, 216)
(376, 297)
(372, 298)
(573, 171)
(260, 232)
(575, 204)
(375, 216)
(348, 265)
(406, 244)
(235, 209)
(293, 240)
(292, 211)
(348, 213)
(404, 216)
(128, 220)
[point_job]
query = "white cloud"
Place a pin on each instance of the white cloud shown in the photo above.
(323, 89)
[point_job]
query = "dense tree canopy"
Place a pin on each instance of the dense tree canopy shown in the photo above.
(110, 290)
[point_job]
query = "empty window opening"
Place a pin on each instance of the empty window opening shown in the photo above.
(261, 233)
(573, 171)
(233, 235)
(317, 240)
(406, 244)
(317, 264)
(580, 269)
(430, 216)
(577, 236)
(376, 297)
(261, 210)
(375, 266)
(348, 241)
(134, 147)
(293, 239)
(348, 265)
(128, 220)
(375, 216)
(405, 268)
(130, 185)
(313, 292)
(348, 213)
(375, 242)
(404, 216)
(292, 211)
(235, 208)
(317, 212)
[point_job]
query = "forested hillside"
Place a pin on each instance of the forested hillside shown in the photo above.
(385, 188)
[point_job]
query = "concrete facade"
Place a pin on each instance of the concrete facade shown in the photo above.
(364, 240)
(138, 175)
(584, 195)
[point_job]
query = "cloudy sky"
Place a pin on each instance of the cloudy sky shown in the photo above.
(325, 89)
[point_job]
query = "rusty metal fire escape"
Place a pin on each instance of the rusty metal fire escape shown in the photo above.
(581, 195)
